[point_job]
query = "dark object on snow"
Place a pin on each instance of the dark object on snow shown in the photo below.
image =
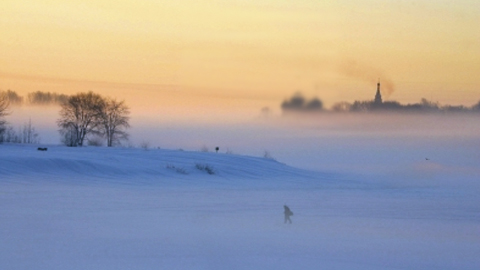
(217, 148)
(42, 149)
(287, 213)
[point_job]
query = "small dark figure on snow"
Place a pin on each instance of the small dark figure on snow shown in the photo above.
(287, 213)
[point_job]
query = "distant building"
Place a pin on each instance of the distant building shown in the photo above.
(378, 96)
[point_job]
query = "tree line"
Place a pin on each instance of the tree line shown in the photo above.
(424, 106)
(24, 134)
(298, 103)
(83, 116)
(35, 98)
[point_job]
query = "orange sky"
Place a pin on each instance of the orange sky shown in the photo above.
(240, 55)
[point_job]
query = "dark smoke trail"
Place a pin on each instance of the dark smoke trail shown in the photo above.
(352, 68)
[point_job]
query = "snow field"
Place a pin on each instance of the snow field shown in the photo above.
(96, 208)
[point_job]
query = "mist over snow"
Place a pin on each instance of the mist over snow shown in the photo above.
(392, 145)
(374, 144)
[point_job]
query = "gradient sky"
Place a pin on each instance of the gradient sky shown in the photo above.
(241, 55)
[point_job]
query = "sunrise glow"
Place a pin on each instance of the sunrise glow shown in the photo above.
(248, 53)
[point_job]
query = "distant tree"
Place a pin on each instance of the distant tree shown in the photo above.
(10, 135)
(29, 134)
(297, 103)
(114, 121)
(341, 107)
(361, 106)
(14, 98)
(391, 105)
(69, 136)
(46, 98)
(454, 109)
(314, 104)
(476, 107)
(26, 134)
(4, 103)
(429, 105)
(80, 115)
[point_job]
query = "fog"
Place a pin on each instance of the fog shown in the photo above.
(409, 147)
(394, 191)
(413, 147)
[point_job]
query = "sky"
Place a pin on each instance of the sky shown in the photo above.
(238, 55)
(198, 73)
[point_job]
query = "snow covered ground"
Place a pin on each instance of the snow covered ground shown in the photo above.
(99, 208)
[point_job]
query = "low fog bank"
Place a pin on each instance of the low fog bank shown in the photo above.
(412, 147)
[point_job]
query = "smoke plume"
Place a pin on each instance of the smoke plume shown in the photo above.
(353, 69)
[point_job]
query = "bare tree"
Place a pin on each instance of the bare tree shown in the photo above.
(79, 116)
(29, 134)
(114, 117)
(69, 136)
(4, 103)
(25, 134)
(11, 136)
(14, 98)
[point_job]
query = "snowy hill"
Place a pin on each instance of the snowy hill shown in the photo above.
(137, 166)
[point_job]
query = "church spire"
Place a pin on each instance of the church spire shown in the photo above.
(378, 95)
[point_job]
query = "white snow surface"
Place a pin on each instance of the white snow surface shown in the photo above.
(121, 208)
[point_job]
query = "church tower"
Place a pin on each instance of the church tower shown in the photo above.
(378, 96)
